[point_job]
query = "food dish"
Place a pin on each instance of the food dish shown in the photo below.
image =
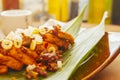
(40, 50)
(114, 50)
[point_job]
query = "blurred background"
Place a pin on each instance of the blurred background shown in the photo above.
(66, 10)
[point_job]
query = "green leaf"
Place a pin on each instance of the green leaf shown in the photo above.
(19, 75)
(84, 42)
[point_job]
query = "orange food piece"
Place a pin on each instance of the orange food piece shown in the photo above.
(3, 69)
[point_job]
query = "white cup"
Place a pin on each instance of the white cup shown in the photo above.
(12, 19)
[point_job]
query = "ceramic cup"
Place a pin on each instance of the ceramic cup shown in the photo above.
(12, 19)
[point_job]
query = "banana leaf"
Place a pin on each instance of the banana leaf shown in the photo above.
(84, 43)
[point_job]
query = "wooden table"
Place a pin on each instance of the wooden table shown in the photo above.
(112, 71)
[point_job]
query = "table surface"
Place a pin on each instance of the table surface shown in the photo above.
(112, 71)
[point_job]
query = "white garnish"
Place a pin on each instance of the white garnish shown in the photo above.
(59, 64)
(37, 38)
(30, 67)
